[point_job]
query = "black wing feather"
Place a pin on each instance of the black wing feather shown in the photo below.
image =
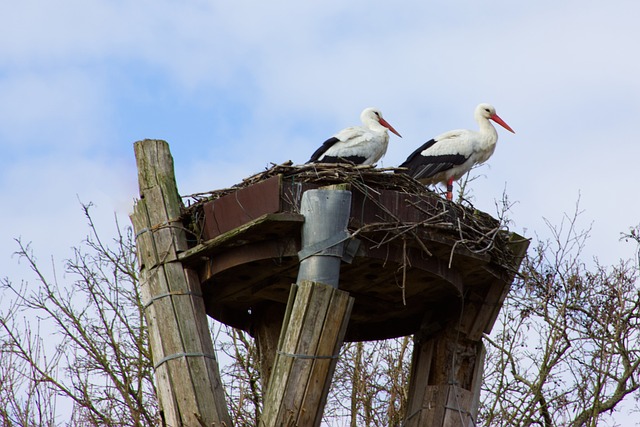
(420, 149)
(428, 166)
(323, 148)
(420, 166)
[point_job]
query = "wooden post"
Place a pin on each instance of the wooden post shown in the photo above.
(267, 324)
(316, 318)
(307, 355)
(448, 355)
(446, 373)
(186, 371)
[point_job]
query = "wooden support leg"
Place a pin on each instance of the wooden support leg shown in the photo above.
(446, 373)
(267, 326)
(186, 370)
(312, 333)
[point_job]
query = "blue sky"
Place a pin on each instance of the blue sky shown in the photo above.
(233, 86)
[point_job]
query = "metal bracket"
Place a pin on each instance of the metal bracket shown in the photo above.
(319, 247)
(350, 249)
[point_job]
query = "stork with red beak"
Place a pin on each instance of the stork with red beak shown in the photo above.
(449, 156)
(360, 145)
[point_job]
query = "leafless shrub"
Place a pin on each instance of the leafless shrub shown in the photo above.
(567, 349)
(84, 341)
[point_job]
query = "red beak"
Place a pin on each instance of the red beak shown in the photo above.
(501, 122)
(384, 123)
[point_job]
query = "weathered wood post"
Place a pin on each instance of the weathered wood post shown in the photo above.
(446, 374)
(448, 355)
(186, 370)
(316, 318)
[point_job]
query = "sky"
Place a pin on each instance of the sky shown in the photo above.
(235, 86)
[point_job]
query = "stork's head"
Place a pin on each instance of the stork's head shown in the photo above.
(374, 115)
(488, 112)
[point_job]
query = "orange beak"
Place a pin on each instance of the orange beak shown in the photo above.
(384, 123)
(501, 122)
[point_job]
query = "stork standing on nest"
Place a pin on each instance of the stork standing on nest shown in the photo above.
(360, 145)
(448, 156)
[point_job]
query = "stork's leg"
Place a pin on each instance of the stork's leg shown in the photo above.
(450, 189)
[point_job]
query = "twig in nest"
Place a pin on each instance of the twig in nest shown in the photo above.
(461, 225)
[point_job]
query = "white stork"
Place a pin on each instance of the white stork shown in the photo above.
(360, 145)
(448, 156)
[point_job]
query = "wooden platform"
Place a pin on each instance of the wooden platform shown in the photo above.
(418, 254)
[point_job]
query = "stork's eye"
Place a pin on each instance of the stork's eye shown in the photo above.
(487, 110)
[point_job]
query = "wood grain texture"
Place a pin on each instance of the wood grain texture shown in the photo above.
(187, 377)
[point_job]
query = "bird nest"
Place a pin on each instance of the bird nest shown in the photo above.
(465, 227)
(360, 176)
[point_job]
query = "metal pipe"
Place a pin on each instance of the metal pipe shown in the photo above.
(324, 234)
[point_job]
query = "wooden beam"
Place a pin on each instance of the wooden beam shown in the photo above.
(186, 370)
(249, 232)
(446, 372)
(243, 205)
(476, 385)
(314, 326)
(316, 318)
(443, 406)
(266, 324)
(418, 379)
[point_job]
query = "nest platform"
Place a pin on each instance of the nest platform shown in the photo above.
(419, 256)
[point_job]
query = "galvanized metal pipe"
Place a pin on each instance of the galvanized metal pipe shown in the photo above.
(324, 234)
